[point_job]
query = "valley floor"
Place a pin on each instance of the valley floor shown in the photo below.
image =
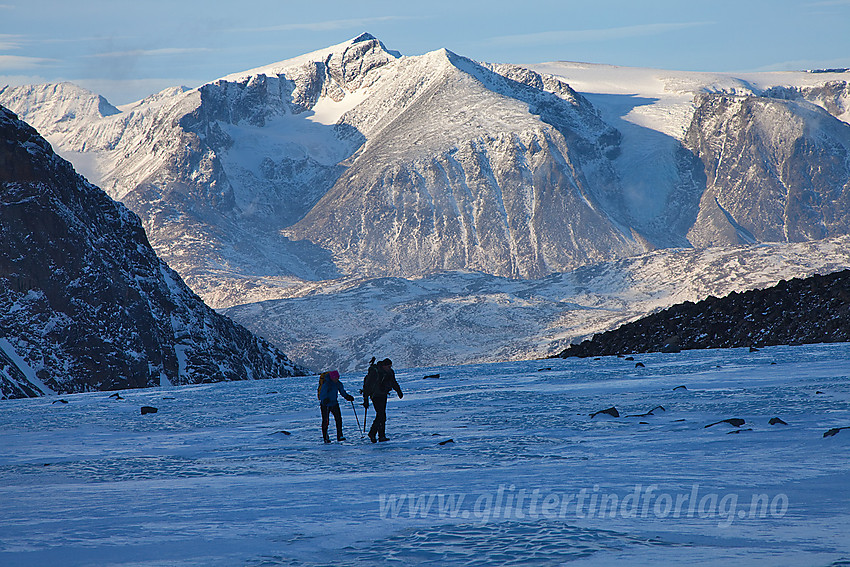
(529, 478)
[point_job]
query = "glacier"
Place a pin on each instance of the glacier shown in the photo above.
(236, 473)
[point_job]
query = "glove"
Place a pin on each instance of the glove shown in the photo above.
(349, 398)
(366, 403)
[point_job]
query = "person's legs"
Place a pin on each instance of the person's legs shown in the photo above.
(379, 425)
(338, 420)
(325, 422)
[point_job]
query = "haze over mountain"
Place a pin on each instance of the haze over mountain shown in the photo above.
(355, 162)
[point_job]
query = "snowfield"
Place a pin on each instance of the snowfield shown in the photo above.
(528, 478)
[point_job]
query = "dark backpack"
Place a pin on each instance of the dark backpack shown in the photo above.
(370, 381)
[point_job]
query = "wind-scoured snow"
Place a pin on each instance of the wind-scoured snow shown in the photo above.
(236, 473)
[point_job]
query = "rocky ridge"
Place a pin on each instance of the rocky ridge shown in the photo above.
(85, 303)
(797, 311)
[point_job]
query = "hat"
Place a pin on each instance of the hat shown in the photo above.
(386, 362)
(333, 375)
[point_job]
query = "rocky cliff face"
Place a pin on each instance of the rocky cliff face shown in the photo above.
(777, 170)
(833, 96)
(798, 311)
(85, 304)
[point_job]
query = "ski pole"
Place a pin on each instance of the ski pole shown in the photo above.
(360, 429)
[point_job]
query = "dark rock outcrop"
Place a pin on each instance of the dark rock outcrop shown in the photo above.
(798, 311)
(736, 421)
(612, 411)
(85, 303)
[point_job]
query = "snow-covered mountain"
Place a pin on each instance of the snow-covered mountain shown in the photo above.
(355, 161)
(85, 304)
(417, 164)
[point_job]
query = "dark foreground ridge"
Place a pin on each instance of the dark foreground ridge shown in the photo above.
(85, 303)
(799, 311)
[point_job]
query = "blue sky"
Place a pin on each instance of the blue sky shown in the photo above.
(126, 50)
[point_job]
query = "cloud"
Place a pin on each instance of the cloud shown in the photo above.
(329, 25)
(586, 36)
(18, 62)
(154, 52)
(827, 3)
(9, 41)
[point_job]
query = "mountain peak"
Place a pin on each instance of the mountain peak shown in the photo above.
(365, 36)
(320, 56)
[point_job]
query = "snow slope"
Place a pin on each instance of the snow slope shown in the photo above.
(462, 317)
(529, 478)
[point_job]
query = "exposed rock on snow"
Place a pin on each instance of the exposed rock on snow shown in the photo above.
(810, 310)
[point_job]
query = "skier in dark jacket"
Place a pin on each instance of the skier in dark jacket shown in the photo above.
(377, 384)
(331, 385)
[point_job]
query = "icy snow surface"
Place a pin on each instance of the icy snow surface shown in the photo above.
(212, 479)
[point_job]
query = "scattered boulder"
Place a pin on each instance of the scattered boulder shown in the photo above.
(680, 388)
(544, 369)
(117, 396)
(60, 401)
(612, 411)
(629, 358)
(148, 409)
(753, 349)
(282, 432)
(736, 421)
(431, 376)
(648, 413)
(640, 365)
(738, 431)
(834, 431)
(776, 421)
(446, 442)
(818, 392)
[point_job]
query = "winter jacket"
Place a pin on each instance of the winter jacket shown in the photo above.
(329, 391)
(384, 380)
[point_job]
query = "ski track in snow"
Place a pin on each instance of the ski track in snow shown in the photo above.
(211, 479)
